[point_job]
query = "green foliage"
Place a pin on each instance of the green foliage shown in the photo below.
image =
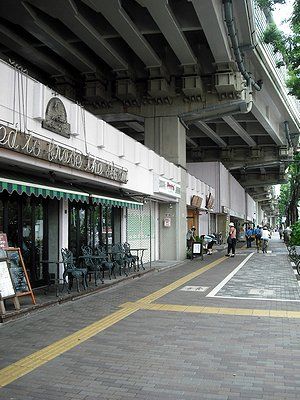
(269, 4)
(289, 198)
(289, 46)
(274, 36)
(295, 235)
(198, 239)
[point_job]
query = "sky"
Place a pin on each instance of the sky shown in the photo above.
(282, 12)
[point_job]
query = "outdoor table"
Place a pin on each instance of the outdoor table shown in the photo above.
(56, 279)
(140, 257)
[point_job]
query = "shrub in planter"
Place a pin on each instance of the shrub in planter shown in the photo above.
(295, 235)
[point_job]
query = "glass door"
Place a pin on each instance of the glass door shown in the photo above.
(24, 219)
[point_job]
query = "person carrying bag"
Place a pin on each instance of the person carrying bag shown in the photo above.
(231, 240)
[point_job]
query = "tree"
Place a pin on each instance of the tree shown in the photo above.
(288, 46)
(290, 193)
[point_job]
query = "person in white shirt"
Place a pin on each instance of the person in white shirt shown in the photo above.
(265, 236)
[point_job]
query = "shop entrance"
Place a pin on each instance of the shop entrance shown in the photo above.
(25, 221)
(92, 225)
(192, 219)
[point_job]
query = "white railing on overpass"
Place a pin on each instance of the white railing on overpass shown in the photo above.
(261, 23)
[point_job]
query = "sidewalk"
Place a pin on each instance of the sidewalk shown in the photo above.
(218, 329)
(48, 297)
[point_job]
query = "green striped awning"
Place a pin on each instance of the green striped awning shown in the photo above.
(110, 201)
(41, 190)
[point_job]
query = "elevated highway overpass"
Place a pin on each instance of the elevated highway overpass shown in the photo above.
(190, 79)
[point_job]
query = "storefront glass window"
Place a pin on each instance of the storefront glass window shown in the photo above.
(104, 225)
(109, 225)
(12, 226)
(1, 216)
(82, 227)
(39, 243)
(91, 225)
(27, 234)
(73, 229)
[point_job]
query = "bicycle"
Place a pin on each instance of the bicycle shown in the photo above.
(265, 243)
(258, 243)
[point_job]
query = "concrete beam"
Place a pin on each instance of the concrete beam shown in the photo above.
(239, 130)
(67, 12)
(113, 11)
(210, 133)
(166, 21)
(210, 15)
(22, 47)
(59, 45)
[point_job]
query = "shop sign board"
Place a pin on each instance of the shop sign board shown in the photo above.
(196, 201)
(18, 273)
(210, 201)
(167, 187)
(54, 152)
(6, 285)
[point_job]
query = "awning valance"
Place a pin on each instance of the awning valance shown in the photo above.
(110, 201)
(41, 190)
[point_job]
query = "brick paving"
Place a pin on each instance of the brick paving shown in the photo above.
(168, 355)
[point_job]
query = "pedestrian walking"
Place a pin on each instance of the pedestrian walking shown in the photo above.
(249, 236)
(209, 241)
(265, 237)
(257, 233)
(231, 240)
(190, 237)
(280, 230)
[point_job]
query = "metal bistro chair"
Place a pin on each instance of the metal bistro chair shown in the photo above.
(92, 264)
(118, 257)
(104, 262)
(130, 259)
(71, 271)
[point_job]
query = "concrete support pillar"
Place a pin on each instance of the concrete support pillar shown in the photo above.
(63, 228)
(259, 214)
(167, 137)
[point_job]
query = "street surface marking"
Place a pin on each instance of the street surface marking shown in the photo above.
(194, 288)
(262, 292)
(256, 298)
(216, 310)
(169, 288)
(48, 353)
(228, 277)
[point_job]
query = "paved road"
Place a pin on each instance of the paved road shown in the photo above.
(222, 328)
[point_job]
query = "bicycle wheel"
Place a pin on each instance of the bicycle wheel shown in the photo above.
(298, 267)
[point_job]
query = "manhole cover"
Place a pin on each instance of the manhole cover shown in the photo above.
(261, 292)
(195, 288)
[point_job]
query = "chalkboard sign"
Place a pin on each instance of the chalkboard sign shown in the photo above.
(6, 285)
(18, 273)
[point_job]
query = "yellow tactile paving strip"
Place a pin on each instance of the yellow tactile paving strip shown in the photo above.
(35, 360)
(214, 310)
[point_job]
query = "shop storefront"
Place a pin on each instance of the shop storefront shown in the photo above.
(30, 216)
(69, 179)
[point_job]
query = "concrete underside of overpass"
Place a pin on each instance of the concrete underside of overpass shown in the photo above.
(138, 64)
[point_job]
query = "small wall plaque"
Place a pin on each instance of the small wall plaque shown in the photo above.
(56, 118)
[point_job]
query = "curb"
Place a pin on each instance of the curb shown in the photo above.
(14, 315)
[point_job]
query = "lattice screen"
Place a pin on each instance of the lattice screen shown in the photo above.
(140, 228)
